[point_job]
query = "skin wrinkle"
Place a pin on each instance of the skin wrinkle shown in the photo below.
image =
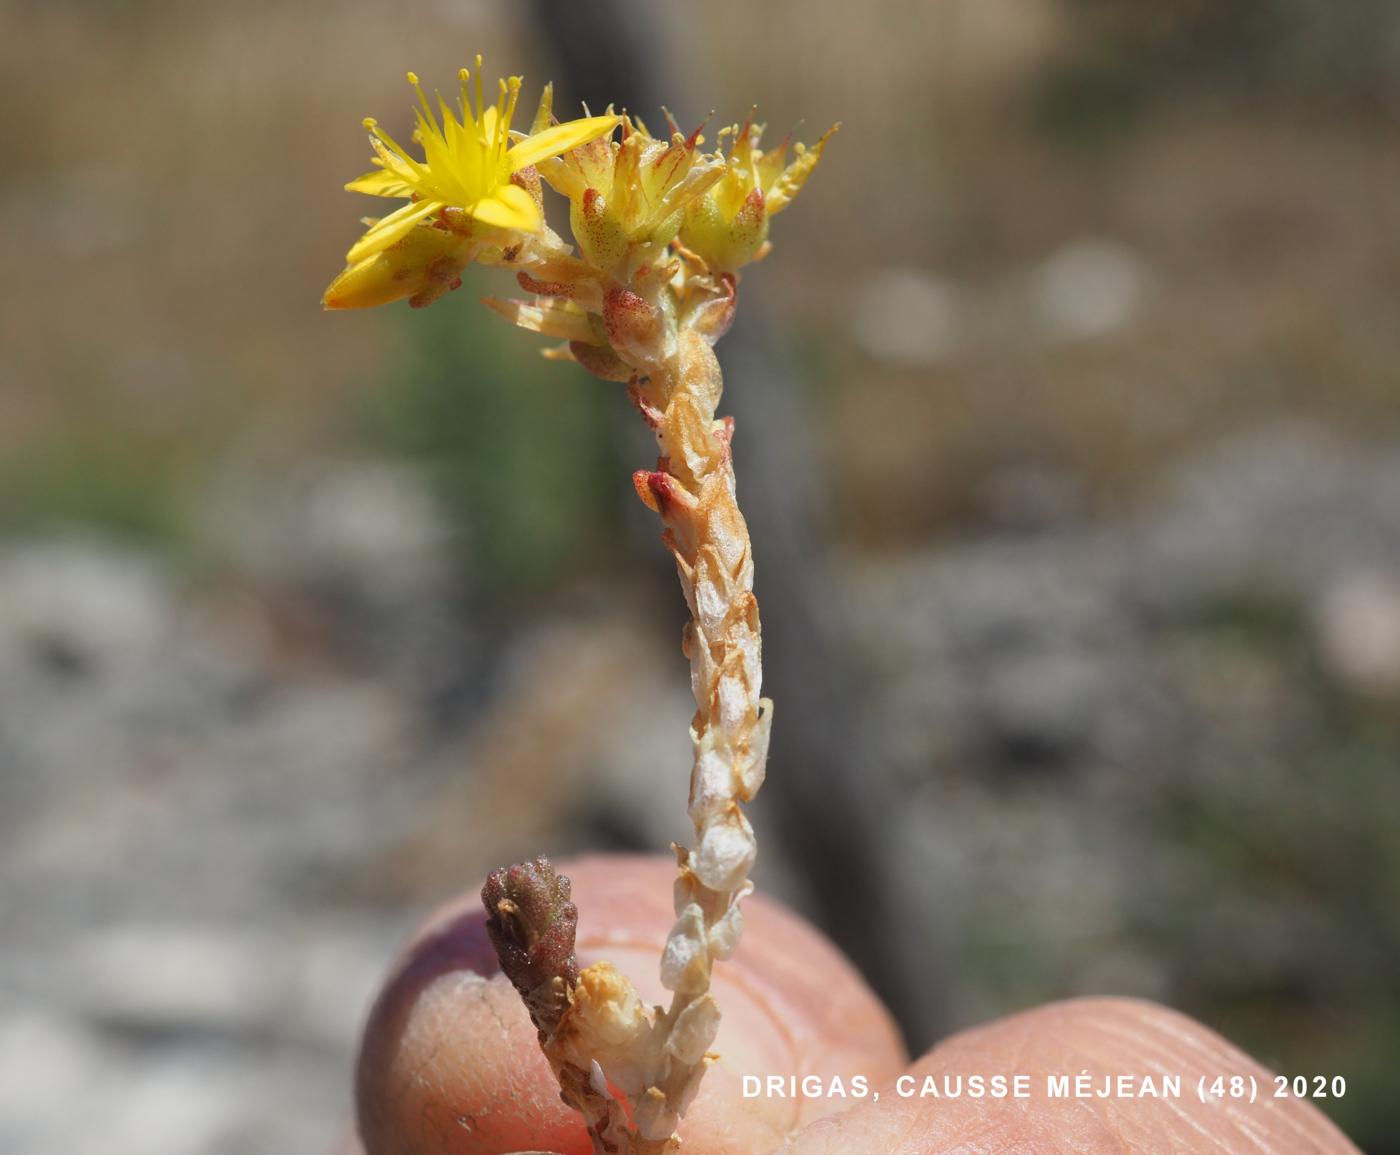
(1100, 1035)
(431, 1121)
(434, 1080)
(491, 1007)
(851, 997)
(764, 1003)
(1300, 1125)
(414, 1075)
(1246, 1122)
(904, 1135)
(428, 947)
(1195, 1044)
(424, 1074)
(1179, 1110)
(1139, 1045)
(1134, 1050)
(1182, 1113)
(1250, 1131)
(403, 1085)
(1310, 1127)
(1170, 1024)
(1085, 1138)
(1135, 1046)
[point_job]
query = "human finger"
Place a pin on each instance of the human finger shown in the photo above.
(450, 1064)
(1101, 1038)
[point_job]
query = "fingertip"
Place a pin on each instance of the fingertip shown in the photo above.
(1102, 1038)
(449, 1061)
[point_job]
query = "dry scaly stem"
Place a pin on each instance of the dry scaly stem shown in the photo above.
(661, 229)
(693, 491)
(657, 1057)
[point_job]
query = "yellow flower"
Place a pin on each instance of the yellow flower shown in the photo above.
(468, 162)
(728, 226)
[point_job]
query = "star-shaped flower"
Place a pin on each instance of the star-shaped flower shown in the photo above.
(469, 158)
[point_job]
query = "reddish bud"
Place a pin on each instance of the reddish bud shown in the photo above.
(532, 924)
(635, 329)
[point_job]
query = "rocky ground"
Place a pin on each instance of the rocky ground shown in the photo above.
(1152, 756)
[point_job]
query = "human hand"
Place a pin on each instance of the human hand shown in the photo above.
(450, 1065)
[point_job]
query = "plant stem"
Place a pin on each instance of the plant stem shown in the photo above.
(693, 491)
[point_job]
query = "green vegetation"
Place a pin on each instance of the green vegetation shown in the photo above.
(517, 446)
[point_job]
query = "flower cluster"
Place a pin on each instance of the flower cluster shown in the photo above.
(656, 215)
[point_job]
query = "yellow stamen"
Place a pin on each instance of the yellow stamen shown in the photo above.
(468, 158)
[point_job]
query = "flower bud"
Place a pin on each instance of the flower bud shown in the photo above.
(532, 923)
(728, 226)
(422, 266)
(636, 329)
(600, 235)
(726, 240)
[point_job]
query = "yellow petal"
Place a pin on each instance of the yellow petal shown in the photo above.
(560, 138)
(392, 228)
(380, 183)
(490, 120)
(364, 285)
(509, 207)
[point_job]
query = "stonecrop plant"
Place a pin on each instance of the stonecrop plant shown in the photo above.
(661, 229)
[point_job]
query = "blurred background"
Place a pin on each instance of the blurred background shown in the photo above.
(1069, 430)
